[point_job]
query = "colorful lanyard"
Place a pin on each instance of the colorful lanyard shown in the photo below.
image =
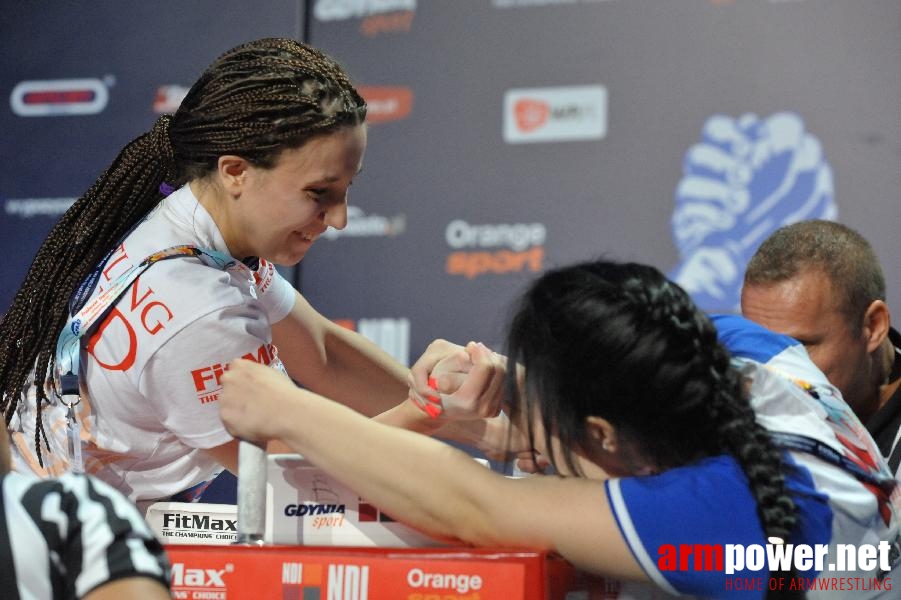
(79, 324)
(793, 441)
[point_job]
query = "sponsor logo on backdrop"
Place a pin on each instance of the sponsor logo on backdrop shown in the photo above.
(27, 208)
(744, 179)
(532, 3)
(386, 103)
(60, 97)
(359, 224)
(168, 98)
(494, 248)
(376, 16)
(390, 334)
(555, 114)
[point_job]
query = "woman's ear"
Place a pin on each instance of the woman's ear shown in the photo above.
(603, 432)
(232, 172)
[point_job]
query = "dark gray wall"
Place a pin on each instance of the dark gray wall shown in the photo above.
(507, 136)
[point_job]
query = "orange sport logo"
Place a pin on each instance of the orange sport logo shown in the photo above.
(494, 248)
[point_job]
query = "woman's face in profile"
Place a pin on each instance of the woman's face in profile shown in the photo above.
(279, 213)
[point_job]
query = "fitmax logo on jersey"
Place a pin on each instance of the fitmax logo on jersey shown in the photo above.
(207, 380)
(378, 16)
(494, 248)
(359, 224)
(555, 114)
(59, 97)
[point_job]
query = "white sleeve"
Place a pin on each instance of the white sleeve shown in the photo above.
(274, 292)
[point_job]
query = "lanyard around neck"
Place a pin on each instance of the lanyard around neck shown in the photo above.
(68, 346)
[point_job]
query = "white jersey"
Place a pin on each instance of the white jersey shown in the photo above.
(150, 370)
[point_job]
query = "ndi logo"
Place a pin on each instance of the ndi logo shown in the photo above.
(746, 177)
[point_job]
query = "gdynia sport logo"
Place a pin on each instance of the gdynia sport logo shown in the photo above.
(750, 565)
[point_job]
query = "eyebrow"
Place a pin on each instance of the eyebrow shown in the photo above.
(334, 178)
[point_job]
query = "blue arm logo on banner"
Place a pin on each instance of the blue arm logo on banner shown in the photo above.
(746, 178)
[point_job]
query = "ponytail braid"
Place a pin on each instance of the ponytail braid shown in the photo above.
(80, 239)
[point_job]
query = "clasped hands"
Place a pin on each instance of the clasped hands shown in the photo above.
(467, 383)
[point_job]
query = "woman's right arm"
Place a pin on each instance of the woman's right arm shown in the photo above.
(425, 483)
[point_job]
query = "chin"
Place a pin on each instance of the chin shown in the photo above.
(288, 259)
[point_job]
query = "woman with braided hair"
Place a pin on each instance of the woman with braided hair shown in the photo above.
(109, 344)
(675, 454)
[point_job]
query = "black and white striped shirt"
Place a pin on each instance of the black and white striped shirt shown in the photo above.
(62, 538)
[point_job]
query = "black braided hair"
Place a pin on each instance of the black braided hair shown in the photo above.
(621, 342)
(254, 101)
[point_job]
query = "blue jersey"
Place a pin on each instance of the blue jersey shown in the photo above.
(689, 525)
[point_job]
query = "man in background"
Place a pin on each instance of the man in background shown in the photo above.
(821, 283)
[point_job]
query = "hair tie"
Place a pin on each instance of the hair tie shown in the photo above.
(166, 189)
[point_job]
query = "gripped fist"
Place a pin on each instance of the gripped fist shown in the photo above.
(252, 397)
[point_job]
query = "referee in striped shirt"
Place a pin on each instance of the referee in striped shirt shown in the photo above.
(74, 537)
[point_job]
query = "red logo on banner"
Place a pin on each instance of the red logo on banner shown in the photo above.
(54, 97)
(531, 114)
(386, 103)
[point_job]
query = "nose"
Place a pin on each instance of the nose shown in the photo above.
(336, 215)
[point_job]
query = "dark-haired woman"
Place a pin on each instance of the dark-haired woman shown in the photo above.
(676, 458)
(162, 273)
